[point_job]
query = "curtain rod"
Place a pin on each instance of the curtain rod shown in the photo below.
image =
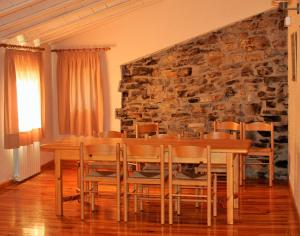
(4, 45)
(81, 49)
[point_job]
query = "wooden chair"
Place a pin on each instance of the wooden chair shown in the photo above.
(111, 134)
(105, 134)
(219, 135)
(91, 177)
(191, 155)
(232, 128)
(265, 154)
(143, 130)
(155, 166)
(165, 136)
(144, 154)
(197, 128)
(219, 169)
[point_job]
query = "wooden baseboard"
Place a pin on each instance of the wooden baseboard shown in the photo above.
(66, 164)
(48, 165)
(6, 184)
(295, 205)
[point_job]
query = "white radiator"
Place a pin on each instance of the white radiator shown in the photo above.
(26, 161)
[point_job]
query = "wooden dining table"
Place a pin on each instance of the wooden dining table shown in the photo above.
(224, 151)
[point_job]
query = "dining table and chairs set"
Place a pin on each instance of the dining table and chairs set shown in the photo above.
(169, 168)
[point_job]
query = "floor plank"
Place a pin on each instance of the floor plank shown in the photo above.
(28, 209)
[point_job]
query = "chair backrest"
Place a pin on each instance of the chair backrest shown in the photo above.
(197, 128)
(143, 153)
(166, 136)
(102, 152)
(111, 134)
(260, 127)
(229, 126)
(181, 154)
(219, 135)
(189, 154)
(107, 154)
(142, 129)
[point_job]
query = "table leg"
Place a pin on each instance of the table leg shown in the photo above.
(236, 181)
(229, 164)
(58, 185)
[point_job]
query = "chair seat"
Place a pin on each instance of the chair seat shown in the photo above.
(218, 170)
(190, 175)
(101, 174)
(97, 165)
(264, 133)
(151, 167)
(215, 168)
(155, 168)
(260, 151)
(147, 174)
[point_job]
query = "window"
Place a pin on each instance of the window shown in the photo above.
(24, 93)
(28, 98)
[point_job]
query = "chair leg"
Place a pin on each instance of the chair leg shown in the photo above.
(171, 203)
(178, 200)
(215, 200)
(240, 158)
(78, 175)
(118, 200)
(135, 190)
(197, 191)
(87, 188)
(162, 204)
(125, 202)
(93, 190)
(209, 206)
(175, 205)
(244, 168)
(81, 199)
(141, 191)
(271, 170)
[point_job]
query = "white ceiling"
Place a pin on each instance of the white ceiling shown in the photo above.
(27, 22)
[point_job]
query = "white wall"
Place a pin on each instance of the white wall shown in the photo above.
(156, 27)
(294, 114)
(6, 158)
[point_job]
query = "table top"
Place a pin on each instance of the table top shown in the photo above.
(217, 145)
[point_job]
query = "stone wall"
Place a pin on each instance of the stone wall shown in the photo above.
(236, 73)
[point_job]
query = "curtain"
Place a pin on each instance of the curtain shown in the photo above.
(79, 91)
(24, 103)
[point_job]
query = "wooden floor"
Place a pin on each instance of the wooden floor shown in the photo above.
(28, 209)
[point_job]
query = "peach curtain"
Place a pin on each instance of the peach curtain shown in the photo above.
(22, 67)
(79, 91)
